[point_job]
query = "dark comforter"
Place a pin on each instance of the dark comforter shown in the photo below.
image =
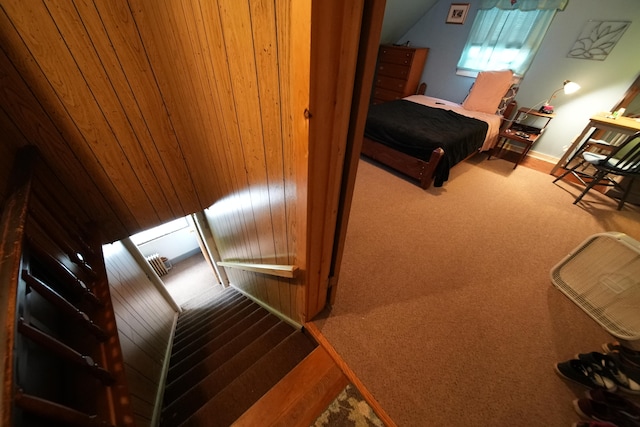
(417, 130)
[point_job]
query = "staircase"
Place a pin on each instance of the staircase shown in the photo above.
(232, 358)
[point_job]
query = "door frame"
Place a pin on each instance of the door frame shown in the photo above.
(336, 128)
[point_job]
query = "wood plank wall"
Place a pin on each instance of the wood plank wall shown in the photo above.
(150, 110)
(147, 110)
(258, 223)
(145, 322)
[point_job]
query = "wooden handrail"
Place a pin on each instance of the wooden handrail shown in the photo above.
(288, 271)
(65, 274)
(64, 351)
(56, 412)
(64, 306)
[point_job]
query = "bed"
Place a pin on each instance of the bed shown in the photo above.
(424, 137)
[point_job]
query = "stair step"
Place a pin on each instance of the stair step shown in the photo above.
(201, 353)
(193, 312)
(210, 293)
(301, 396)
(213, 374)
(206, 388)
(234, 316)
(228, 405)
(206, 319)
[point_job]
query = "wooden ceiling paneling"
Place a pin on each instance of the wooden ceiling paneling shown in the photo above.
(123, 100)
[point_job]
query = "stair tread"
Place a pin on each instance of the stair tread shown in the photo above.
(192, 313)
(204, 383)
(301, 396)
(206, 319)
(233, 317)
(222, 353)
(177, 368)
(209, 293)
(226, 406)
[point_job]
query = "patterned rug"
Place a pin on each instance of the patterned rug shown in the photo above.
(349, 409)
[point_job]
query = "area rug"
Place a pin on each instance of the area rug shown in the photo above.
(349, 409)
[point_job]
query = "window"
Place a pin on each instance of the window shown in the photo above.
(504, 37)
(159, 231)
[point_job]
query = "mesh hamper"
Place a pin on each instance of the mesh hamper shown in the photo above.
(602, 276)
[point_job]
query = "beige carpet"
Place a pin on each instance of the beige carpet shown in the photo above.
(445, 309)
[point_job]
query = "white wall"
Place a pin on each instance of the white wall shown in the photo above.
(400, 15)
(175, 246)
(603, 82)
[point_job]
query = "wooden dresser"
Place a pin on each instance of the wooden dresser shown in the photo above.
(398, 72)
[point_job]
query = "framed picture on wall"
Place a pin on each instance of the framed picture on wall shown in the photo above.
(457, 13)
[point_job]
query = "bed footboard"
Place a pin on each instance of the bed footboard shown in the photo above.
(413, 167)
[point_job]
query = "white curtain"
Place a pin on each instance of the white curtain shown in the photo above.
(524, 4)
(506, 35)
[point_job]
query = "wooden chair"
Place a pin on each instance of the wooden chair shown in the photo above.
(622, 161)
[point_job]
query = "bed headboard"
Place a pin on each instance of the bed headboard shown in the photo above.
(509, 112)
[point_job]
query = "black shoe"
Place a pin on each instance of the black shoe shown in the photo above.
(602, 412)
(583, 373)
(608, 365)
(615, 401)
(592, 423)
(626, 354)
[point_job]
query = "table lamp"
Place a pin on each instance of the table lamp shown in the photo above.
(568, 87)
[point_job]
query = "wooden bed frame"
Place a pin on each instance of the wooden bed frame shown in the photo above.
(413, 167)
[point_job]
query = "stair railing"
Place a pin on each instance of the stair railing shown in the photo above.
(287, 271)
(60, 346)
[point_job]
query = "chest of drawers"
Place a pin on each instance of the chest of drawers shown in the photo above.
(398, 72)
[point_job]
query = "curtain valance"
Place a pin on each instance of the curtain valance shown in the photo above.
(524, 5)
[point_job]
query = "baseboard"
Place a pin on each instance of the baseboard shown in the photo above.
(185, 255)
(270, 309)
(543, 157)
(157, 407)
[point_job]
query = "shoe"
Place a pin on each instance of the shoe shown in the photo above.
(583, 373)
(592, 423)
(600, 411)
(608, 365)
(619, 403)
(628, 355)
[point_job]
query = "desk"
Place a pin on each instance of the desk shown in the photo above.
(623, 125)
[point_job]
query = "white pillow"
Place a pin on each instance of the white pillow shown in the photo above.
(488, 90)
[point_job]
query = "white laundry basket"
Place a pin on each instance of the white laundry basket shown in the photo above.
(602, 276)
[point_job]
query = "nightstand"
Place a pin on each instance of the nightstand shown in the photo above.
(525, 129)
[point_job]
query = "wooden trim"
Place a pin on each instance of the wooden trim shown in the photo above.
(270, 309)
(300, 396)
(321, 340)
(372, 17)
(207, 242)
(150, 272)
(333, 71)
(288, 271)
(157, 404)
(14, 218)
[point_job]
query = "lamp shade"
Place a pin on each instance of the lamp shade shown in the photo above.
(570, 87)
(567, 86)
